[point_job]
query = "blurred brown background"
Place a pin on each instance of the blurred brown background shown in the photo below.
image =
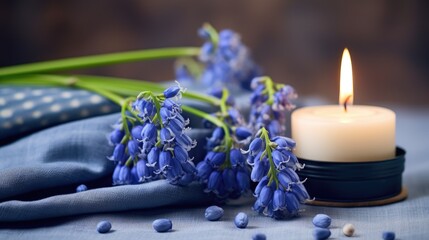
(296, 42)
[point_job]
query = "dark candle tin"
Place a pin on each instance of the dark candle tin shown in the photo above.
(347, 183)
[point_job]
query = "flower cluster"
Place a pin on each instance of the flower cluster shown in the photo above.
(269, 104)
(223, 170)
(151, 140)
(279, 191)
(226, 59)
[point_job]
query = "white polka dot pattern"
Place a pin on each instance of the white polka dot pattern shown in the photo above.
(28, 109)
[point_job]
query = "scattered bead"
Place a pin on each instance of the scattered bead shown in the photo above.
(322, 221)
(213, 213)
(162, 225)
(241, 220)
(388, 236)
(104, 226)
(321, 233)
(259, 236)
(348, 230)
(81, 188)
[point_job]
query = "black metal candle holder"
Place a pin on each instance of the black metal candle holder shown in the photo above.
(350, 184)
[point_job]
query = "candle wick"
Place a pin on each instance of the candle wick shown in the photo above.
(346, 101)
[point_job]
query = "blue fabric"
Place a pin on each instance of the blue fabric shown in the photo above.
(27, 109)
(39, 174)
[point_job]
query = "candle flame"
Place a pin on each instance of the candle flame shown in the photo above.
(346, 80)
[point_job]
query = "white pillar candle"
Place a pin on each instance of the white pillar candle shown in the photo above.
(344, 133)
(328, 133)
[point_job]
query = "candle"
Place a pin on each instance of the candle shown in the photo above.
(344, 132)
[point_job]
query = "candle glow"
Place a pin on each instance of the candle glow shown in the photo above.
(346, 80)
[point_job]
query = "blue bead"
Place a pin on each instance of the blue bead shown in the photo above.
(321, 233)
(322, 221)
(162, 225)
(81, 188)
(104, 227)
(389, 235)
(213, 213)
(259, 236)
(241, 220)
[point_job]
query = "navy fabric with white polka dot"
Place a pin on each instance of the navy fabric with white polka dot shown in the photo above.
(27, 109)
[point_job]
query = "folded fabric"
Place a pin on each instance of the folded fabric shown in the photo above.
(71, 154)
(39, 172)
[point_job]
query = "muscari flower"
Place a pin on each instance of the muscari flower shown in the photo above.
(227, 61)
(269, 105)
(153, 146)
(223, 170)
(279, 191)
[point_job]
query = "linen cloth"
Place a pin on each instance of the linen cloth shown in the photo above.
(23, 164)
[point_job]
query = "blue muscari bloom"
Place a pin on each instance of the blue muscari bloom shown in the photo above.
(228, 179)
(242, 133)
(164, 160)
(204, 169)
(149, 133)
(133, 147)
(176, 126)
(271, 115)
(216, 138)
(153, 156)
(255, 146)
(260, 169)
(134, 175)
(118, 153)
(214, 181)
(116, 136)
(180, 154)
(125, 175)
(115, 175)
(172, 91)
(145, 108)
(166, 135)
(236, 157)
(185, 141)
(136, 132)
(227, 61)
(261, 184)
(243, 180)
(217, 159)
(171, 105)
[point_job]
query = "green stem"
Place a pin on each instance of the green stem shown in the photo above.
(272, 173)
(98, 60)
(120, 86)
(158, 109)
(270, 88)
